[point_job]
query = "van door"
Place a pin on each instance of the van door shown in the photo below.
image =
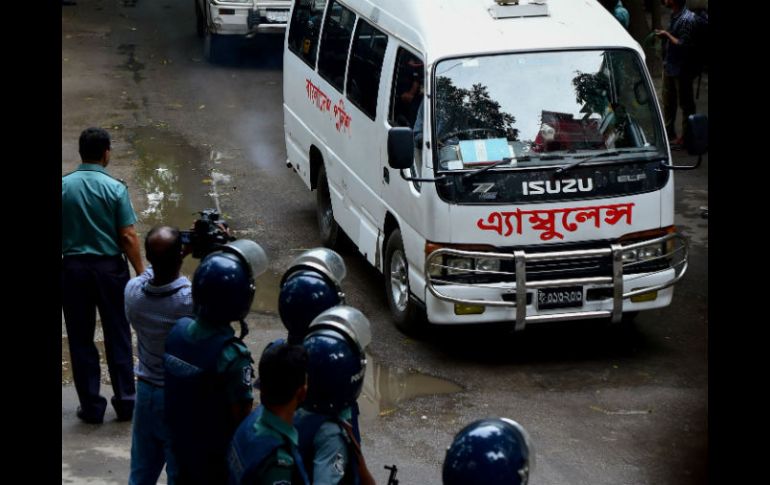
(364, 125)
(407, 94)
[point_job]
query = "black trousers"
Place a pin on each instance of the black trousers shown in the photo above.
(88, 283)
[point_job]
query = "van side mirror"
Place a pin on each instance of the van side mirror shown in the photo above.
(400, 147)
(696, 140)
(696, 137)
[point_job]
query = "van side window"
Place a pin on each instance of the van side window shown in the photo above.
(335, 41)
(407, 92)
(366, 58)
(304, 28)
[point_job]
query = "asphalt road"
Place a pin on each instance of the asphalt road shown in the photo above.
(603, 405)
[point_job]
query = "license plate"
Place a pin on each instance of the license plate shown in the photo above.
(278, 16)
(561, 297)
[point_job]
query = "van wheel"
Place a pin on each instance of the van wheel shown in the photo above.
(327, 226)
(408, 317)
(200, 21)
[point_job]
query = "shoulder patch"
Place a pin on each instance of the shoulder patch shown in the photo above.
(248, 375)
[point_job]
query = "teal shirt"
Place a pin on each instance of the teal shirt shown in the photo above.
(234, 362)
(94, 206)
(278, 468)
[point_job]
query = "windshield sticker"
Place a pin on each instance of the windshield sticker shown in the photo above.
(324, 104)
(546, 220)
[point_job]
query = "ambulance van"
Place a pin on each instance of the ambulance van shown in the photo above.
(498, 163)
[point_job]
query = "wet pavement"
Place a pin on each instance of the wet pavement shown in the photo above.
(603, 405)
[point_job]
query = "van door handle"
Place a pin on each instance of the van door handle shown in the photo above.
(386, 175)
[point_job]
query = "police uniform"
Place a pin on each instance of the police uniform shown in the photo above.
(208, 370)
(264, 451)
(326, 448)
(94, 274)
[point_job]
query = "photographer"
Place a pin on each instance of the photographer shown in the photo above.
(155, 300)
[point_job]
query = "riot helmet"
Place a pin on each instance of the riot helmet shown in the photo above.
(224, 283)
(488, 451)
(311, 285)
(336, 360)
(321, 260)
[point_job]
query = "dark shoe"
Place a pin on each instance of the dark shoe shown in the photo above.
(124, 409)
(125, 417)
(89, 419)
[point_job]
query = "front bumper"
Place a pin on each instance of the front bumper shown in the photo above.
(229, 19)
(514, 299)
(268, 19)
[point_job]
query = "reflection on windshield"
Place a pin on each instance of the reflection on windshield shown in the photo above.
(523, 109)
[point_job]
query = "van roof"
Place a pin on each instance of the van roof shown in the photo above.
(441, 28)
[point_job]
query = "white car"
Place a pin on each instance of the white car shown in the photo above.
(218, 18)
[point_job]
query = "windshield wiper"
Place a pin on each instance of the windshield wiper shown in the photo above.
(524, 158)
(609, 153)
(568, 166)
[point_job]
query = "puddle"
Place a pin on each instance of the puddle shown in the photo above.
(174, 178)
(131, 63)
(385, 388)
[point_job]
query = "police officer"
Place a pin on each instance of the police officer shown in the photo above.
(97, 229)
(488, 452)
(311, 285)
(208, 372)
(264, 447)
(335, 345)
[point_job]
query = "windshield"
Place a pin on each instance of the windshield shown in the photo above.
(543, 108)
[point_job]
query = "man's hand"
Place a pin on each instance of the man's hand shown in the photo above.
(129, 243)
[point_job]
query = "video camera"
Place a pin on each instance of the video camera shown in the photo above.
(207, 234)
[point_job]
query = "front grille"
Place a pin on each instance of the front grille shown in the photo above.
(556, 269)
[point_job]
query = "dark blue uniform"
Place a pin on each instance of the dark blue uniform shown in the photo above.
(94, 274)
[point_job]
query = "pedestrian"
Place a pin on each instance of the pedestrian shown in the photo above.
(264, 447)
(678, 75)
(155, 300)
(489, 451)
(208, 371)
(97, 230)
(330, 449)
(618, 10)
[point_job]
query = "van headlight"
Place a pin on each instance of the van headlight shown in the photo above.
(650, 252)
(643, 253)
(458, 266)
(488, 264)
(629, 256)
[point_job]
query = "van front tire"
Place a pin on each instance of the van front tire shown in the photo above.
(327, 226)
(408, 317)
